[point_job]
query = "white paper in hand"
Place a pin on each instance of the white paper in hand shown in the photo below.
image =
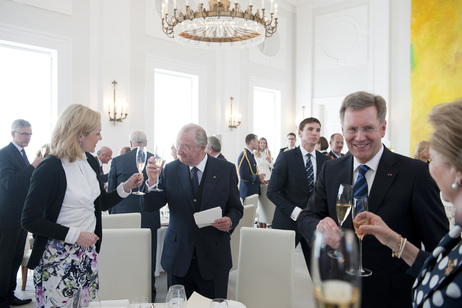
(205, 218)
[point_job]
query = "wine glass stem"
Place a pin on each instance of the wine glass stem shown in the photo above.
(361, 270)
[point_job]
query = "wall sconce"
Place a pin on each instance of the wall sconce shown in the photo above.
(234, 119)
(118, 112)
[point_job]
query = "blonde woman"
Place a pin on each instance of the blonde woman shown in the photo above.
(63, 208)
(263, 157)
(422, 151)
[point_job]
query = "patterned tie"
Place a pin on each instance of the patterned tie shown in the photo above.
(24, 157)
(309, 172)
(194, 180)
(360, 187)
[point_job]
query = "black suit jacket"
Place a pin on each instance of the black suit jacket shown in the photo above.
(14, 184)
(221, 156)
(288, 186)
(122, 168)
(405, 196)
(183, 238)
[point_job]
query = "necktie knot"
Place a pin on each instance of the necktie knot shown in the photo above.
(360, 188)
(363, 169)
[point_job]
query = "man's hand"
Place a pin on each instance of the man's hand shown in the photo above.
(37, 161)
(262, 178)
(223, 224)
(330, 228)
(134, 181)
(152, 170)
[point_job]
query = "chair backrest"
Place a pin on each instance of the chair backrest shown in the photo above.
(247, 220)
(267, 207)
(252, 199)
(266, 268)
(124, 264)
(121, 221)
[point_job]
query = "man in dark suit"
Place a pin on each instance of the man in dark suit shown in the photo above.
(336, 146)
(197, 258)
(122, 168)
(213, 147)
(293, 178)
(104, 155)
(291, 141)
(15, 173)
(248, 170)
(400, 190)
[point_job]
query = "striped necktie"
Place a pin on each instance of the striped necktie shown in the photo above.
(360, 187)
(309, 172)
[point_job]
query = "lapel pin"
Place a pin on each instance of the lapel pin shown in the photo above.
(389, 174)
(214, 176)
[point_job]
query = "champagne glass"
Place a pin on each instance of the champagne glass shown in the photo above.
(158, 155)
(219, 303)
(176, 296)
(343, 207)
(360, 205)
(336, 283)
(140, 163)
(43, 151)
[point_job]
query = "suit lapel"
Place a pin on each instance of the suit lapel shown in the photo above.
(185, 180)
(298, 162)
(18, 156)
(385, 175)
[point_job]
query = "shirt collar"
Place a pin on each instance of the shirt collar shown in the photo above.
(304, 152)
(372, 164)
(17, 146)
(201, 165)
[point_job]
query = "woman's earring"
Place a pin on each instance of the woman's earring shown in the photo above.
(455, 185)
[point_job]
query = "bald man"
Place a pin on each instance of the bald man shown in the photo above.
(104, 155)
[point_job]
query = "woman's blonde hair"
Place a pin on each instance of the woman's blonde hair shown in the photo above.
(447, 138)
(257, 151)
(76, 120)
(420, 148)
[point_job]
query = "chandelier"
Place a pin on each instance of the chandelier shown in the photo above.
(219, 26)
(118, 111)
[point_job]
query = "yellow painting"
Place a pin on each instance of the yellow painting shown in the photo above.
(436, 61)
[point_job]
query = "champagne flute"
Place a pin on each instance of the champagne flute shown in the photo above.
(343, 207)
(158, 155)
(360, 205)
(336, 283)
(176, 296)
(140, 164)
(43, 151)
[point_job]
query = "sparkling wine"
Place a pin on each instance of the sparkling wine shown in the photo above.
(159, 162)
(356, 224)
(43, 150)
(342, 211)
(140, 166)
(337, 294)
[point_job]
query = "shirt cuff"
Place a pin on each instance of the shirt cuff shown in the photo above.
(121, 191)
(72, 235)
(295, 213)
(151, 188)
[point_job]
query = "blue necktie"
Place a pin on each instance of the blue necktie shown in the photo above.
(194, 180)
(360, 187)
(309, 173)
(24, 157)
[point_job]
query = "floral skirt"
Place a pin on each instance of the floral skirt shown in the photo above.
(65, 273)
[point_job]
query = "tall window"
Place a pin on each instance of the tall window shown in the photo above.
(27, 91)
(176, 97)
(266, 117)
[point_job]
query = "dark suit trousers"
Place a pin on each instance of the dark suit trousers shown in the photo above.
(214, 288)
(12, 242)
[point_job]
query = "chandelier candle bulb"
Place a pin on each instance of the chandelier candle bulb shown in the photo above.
(276, 10)
(262, 4)
(174, 4)
(272, 6)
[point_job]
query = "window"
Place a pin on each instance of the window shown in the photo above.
(27, 91)
(175, 104)
(266, 119)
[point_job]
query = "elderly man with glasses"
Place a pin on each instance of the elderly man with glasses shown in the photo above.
(15, 173)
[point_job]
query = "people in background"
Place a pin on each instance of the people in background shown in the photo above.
(104, 155)
(439, 275)
(197, 258)
(124, 150)
(213, 147)
(399, 189)
(336, 145)
(294, 174)
(322, 146)
(291, 141)
(15, 174)
(122, 167)
(63, 210)
(422, 151)
(44, 151)
(265, 164)
(248, 169)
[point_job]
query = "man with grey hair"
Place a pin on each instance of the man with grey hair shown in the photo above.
(15, 174)
(336, 146)
(213, 147)
(199, 258)
(122, 167)
(399, 189)
(104, 155)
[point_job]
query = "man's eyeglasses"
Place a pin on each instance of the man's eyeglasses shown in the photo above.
(24, 134)
(364, 130)
(183, 147)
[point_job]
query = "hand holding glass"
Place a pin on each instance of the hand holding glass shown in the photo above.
(343, 205)
(360, 205)
(140, 163)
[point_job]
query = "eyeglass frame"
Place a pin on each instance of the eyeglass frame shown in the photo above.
(23, 134)
(365, 130)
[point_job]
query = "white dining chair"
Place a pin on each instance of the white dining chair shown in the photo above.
(253, 199)
(265, 276)
(124, 264)
(266, 209)
(121, 221)
(247, 220)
